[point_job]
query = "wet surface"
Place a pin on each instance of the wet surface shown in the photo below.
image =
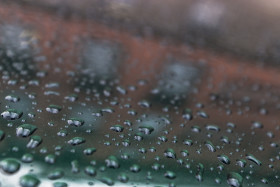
(82, 104)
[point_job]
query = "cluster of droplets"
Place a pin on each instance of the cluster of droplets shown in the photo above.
(98, 128)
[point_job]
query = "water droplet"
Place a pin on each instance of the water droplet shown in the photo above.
(27, 158)
(170, 153)
(224, 159)
(117, 128)
(90, 170)
(60, 184)
(123, 178)
(135, 168)
(25, 130)
(107, 181)
(12, 98)
(112, 162)
(34, 141)
(253, 159)
(234, 179)
(210, 146)
(170, 175)
(29, 181)
(11, 114)
(9, 165)
(75, 121)
(53, 109)
(89, 151)
(146, 129)
(76, 141)
(56, 174)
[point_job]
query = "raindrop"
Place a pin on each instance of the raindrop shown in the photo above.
(56, 174)
(224, 159)
(29, 181)
(76, 141)
(234, 179)
(9, 165)
(53, 109)
(253, 159)
(11, 114)
(25, 130)
(170, 175)
(75, 121)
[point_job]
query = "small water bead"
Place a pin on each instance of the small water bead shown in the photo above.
(90, 170)
(126, 143)
(112, 162)
(27, 158)
(138, 136)
(32, 95)
(253, 159)
(29, 181)
(89, 151)
(71, 98)
(135, 168)
(210, 146)
(123, 178)
(12, 98)
(53, 109)
(128, 123)
(121, 90)
(144, 104)
(163, 138)
(107, 110)
(43, 150)
(132, 112)
(34, 142)
(234, 179)
(196, 129)
(264, 180)
(170, 153)
(34, 82)
(117, 128)
(146, 129)
(11, 114)
(75, 168)
(77, 140)
(188, 142)
(48, 93)
(202, 114)
(200, 171)
(240, 162)
(218, 180)
(152, 149)
(25, 130)
(56, 174)
(211, 127)
(224, 159)
(187, 114)
(62, 133)
(107, 181)
(257, 125)
(50, 159)
(142, 150)
(185, 153)
(75, 121)
(9, 165)
(225, 139)
(170, 175)
(221, 167)
(60, 184)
